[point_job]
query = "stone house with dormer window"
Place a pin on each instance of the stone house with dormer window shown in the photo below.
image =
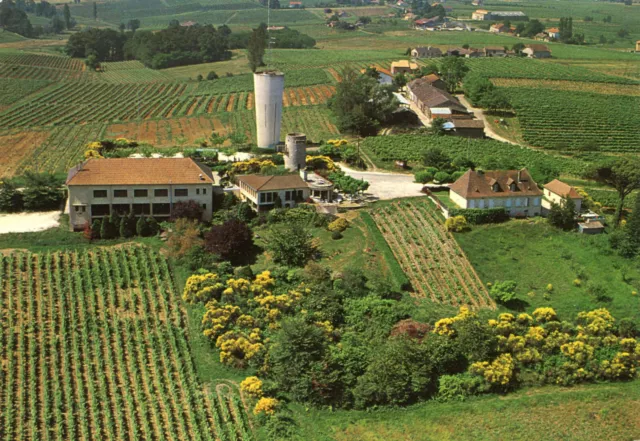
(513, 190)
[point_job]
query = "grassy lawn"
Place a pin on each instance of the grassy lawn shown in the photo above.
(595, 412)
(534, 254)
(443, 195)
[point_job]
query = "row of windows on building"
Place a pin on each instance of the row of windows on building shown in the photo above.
(143, 193)
(508, 203)
(99, 210)
(268, 197)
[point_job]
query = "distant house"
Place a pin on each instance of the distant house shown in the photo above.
(499, 28)
(261, 192)
(403, 67)
(454, 26)
(410, 16)
(188, 23)
(434, 102)
(143, 186)
(553, 33)
(494, 51)
(537, 51)
(471, 53)
(435, 81)
(541, 37)
(427, 23)
(295, 5)
(469, 128)
(479, 14)
(514, 190)
(477, 2)
(591, 227)
(426, 52)
(638, 46)
(556, 190)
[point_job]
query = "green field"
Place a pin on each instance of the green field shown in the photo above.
(596, 412)
(573, 120)
(535, 254)
(95, 343)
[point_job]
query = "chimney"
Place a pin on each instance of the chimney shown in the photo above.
(303, 175)
(519, 171)
(201, 177)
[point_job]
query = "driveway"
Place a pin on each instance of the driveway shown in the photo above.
(479, 114)
(386, 185)
(29, 222)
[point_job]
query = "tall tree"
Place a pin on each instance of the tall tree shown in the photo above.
(256, 47)
(67, 16)
(623, 174)
(361, 104)
(452, 71)
(133, 24)
(630, 245)
(95, 11)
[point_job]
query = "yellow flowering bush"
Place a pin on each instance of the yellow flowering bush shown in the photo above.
(252, 165)
(577, 351)
(321, 163)
(445, 325)
(236, 287)
(217, 319)
(337, 142)
(236, 347)
(497, 373)
(92, 154)
(597, 322)
(338, 225)
(535, 335)
(545, 314)
(524, 319)
(266, 405)
(252, 386)
(202, 287)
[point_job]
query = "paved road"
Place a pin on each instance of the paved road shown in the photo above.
(386, 185)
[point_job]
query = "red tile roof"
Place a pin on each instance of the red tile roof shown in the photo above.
(264, 183)
(140, 171)
(562, 189)
(476, 184)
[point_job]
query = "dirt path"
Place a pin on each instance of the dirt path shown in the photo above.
(479, 114)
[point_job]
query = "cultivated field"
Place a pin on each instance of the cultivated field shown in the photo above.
(14, 147)
(93, 346)
(431, 258)
(573, 120)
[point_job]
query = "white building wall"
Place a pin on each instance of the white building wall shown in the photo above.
(82, 196)
(515, 206)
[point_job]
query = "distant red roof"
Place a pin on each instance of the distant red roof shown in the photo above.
(476, 184)
(562, 189)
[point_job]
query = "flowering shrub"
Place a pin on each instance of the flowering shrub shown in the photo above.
(497, 373)
(252, 165)
(252, 386)
(457, 224)
(202, 287)
(321, 163)
(266, 405)
(543, 315)
(338, 225)
(597, 322)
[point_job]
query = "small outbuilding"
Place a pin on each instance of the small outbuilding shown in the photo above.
(556, 190)
(537, 51)
(591, 227)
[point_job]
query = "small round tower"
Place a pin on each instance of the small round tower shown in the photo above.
(295, 153)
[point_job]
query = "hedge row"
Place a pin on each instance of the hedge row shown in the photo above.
(397, 274)
(481, 215)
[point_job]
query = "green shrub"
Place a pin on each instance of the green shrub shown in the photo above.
(336, 235)
(457, 224)
(479, 216)
(503, 291)
(461, 386)
(423, 176)
(338, 225)
(442, 177)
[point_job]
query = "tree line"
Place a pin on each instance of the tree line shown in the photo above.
(175, 46)
(13, 18)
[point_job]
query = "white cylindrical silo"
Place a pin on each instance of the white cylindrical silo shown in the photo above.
(268, 89)
(295, 155)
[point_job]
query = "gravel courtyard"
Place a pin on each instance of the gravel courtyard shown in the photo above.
(28, 222)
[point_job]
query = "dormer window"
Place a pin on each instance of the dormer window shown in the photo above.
(496, 188)
(513, 187)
